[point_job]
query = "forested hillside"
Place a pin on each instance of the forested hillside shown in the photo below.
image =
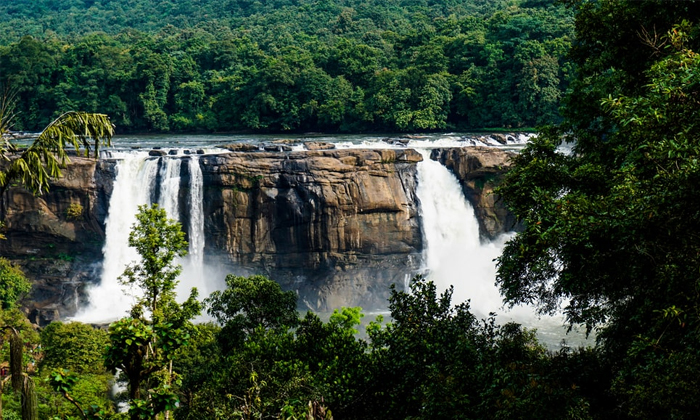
(308, 65)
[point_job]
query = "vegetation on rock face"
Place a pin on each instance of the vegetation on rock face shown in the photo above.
(306, 65)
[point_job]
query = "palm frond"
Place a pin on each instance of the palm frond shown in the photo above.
(43, 160)
(7, 116)
(77, 129)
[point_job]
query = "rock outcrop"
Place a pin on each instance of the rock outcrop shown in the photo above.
(57, 237)
(337, 226)
(479, 169)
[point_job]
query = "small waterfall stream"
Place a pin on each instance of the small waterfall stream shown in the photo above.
(196, 200)
(168, 193)
(193, 265)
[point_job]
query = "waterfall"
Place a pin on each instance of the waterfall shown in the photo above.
(453, 252)
(196, 199)
(135, 185)
(193, 265)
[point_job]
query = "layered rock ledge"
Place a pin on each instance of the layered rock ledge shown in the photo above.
(337, 226)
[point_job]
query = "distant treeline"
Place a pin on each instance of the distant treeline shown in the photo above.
(301, 65)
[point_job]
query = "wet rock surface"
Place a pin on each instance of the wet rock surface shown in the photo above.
(337, 226)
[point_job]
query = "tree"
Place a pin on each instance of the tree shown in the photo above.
(436, 360)
(424, 355)
(15, 328)
(249, 303)
(339, 363)
(143, 345)
(270, 363)
(13, 284)
(249, 366)
(72, 366)
(610, 227)
(75, 346)
(35, 166)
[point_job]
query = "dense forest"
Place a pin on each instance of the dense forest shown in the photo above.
(303, 65)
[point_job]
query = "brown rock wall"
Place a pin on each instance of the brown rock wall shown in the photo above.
(337, 226)
(58, 249)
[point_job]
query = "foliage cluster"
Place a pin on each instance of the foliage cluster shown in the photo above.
(611, 227)
(434, 360)
(280, 66)
(74, 211)
(13, 284)
(265, 361)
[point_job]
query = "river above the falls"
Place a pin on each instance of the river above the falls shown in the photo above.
(510, 141)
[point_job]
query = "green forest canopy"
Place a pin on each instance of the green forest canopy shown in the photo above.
(288, 65)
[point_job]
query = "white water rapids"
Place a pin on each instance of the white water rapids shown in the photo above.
(454, 254)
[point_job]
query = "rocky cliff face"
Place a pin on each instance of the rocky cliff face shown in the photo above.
(57, 237)
(337, 226)
(479, 169)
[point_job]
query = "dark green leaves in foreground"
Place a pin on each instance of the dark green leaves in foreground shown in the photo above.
(611, 226)
(434, 360)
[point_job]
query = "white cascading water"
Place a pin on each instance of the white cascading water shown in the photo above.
(170, 187)
(134, 186)
(454, 254)
(196, 201)
(193, 265)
